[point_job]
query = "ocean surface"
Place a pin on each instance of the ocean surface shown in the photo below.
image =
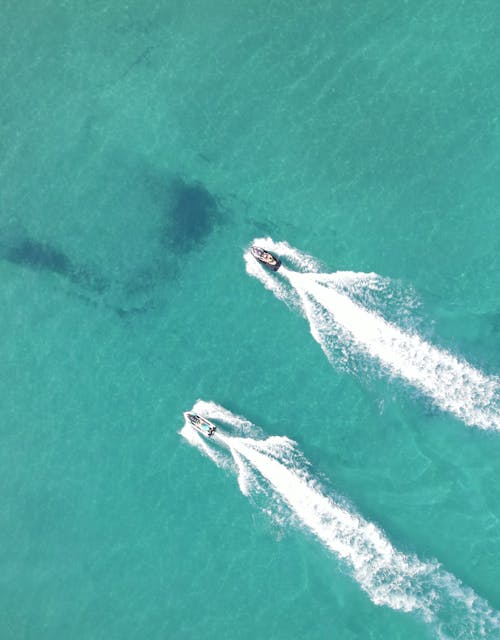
(143, 147)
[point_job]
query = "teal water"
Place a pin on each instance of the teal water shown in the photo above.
(366, 136)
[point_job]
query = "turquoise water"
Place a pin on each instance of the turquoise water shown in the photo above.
(365, 136)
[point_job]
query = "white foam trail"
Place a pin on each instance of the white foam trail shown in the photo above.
(268, 279)
(196, 440)
(384, 573)
(451, 383)
(238, 424)
(389, 577)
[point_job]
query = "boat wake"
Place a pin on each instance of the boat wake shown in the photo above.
(342, 321)
(276, 473)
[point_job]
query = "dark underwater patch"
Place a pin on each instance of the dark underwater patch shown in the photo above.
(37, 255)
(26, 252)
(184, 214)
(191, 215)
(89, 279)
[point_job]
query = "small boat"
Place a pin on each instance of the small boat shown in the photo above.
(202, 425)
(266, 258)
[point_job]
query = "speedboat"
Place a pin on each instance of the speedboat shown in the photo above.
(202, 425)
(266, 258)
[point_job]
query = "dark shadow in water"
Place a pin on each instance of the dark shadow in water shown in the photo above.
(188, 213)
(89, 279)
(18, 248)
(191, 215)
(129, 298)
(37, 255)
